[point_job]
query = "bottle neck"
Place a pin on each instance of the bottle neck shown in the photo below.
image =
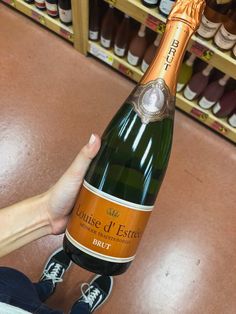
(168, 59)
(157, 40)
(141, 32)
(223, 81)
(191, 60)
(207, 70)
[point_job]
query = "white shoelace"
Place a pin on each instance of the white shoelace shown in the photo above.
(91, 295)
(54, 274)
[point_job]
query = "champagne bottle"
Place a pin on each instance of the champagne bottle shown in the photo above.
(232, 119)
(40, 4)
(52, 7)
(225, 38)
(108, 28)
(214, 14)
(65, 14)
(150, 3)
(198, 83)
(94, 20)
(122, 37)
(122, 182)
(226, 105)
(150, 53)
(166, 6)
(137, 47)
(213, 93)
(186, 72)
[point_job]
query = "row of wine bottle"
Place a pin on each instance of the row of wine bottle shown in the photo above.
(210, 92)
(219, 23)
(55, 8)
(164, 6)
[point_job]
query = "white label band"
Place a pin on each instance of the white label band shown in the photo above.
(133, 60)
(65, 15)
(189, 94)
(207, 29)
(105, 42)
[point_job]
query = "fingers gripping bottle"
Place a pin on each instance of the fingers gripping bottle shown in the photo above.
(122, 182)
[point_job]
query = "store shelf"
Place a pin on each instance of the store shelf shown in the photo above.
(204, 116)
(155, 21)
(42, 18)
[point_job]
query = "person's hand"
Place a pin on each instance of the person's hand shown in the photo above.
(61, 197)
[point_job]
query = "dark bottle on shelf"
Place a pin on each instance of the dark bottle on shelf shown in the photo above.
(186, 72)
(150, 3)
(197, 83)
(150, 53)
(165, 6)
(123, 180)
(213, 93)
(226, 105)
(232, 119)
(52, 7)
(214, 14)
(29, 1)
(108, 28)
(65, 13)
(94, 20)
(137, 47)
(225, 38)
(40, 4)
(122, 37)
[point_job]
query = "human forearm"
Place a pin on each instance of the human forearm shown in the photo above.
(23, 222)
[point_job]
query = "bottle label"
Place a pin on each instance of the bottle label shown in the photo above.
(232, 120)
(40, 4)
(216, 108)
(188, 93)
(105, 42)
(152, 101)
(65, 15)
(105, 226)
(224, 39)
(144, 66)
(207, 29)
(51, 8)
(206, 104)
(151, 1)
(133, 60)
(93, 35)
(120, 52)
(166, 6)
(180, 86)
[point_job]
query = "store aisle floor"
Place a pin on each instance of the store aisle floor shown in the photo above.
(51, 99)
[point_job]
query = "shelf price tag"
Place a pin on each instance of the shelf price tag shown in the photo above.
(66, 34)
(123, 69)
(100, 54)
(219, 127)
(38, 17)
(201, 51)
(202, 116)
(155, 24)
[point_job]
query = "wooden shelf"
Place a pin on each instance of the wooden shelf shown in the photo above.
(42, 18)
(200, 47)
(204, 116)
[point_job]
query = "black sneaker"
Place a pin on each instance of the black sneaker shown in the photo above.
(55, 267)
(97, 292)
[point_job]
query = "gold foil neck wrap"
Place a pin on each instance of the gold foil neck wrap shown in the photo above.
(188, 11)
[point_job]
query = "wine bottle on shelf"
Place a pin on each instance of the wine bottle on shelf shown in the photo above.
(226, 105)
(186, 72)
(225, 38)
(108, 28)
(40, 4)
(29, 1)
(150, 3)
(123, 180)
(122, 37)
(94, 20)
(52, 7)
(150, 53)
(197, 83)
(232, 119)
(213, 93)
(165, 6)
(65, 14)
(137, 47)
(214, 14)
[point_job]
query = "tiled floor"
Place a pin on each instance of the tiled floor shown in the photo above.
(51, 99)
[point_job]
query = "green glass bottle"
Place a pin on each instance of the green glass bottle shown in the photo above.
(122, 182)
(186, 72)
